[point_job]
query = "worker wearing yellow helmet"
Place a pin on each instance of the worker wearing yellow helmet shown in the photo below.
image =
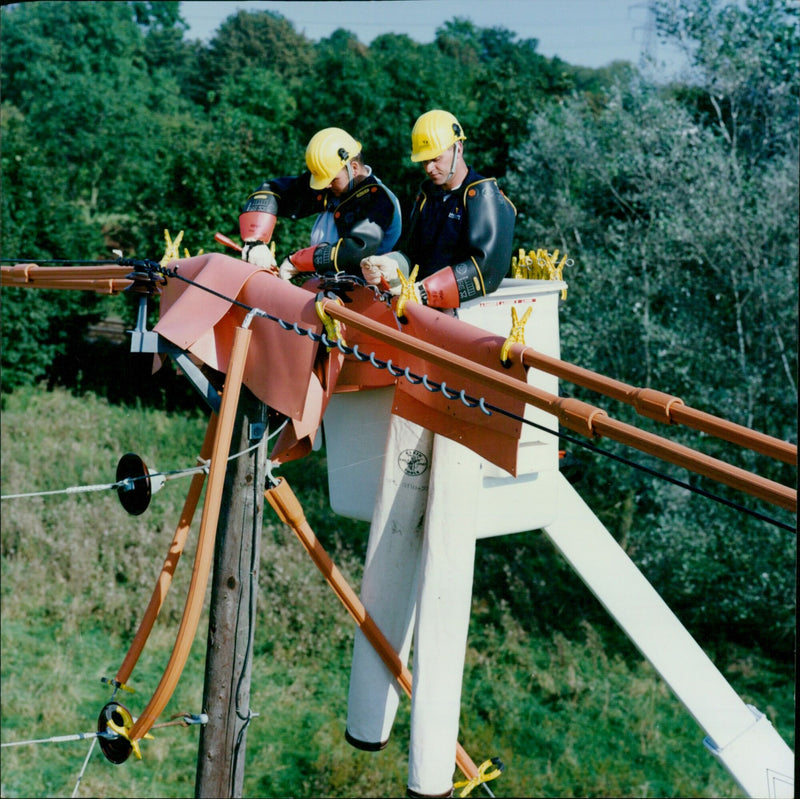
(461, 226)
(417, 578)
(357, 215)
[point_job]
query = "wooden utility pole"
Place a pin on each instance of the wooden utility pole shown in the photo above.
(234, 594)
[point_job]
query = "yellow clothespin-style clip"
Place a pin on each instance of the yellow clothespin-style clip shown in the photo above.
(485, 773)
(545, 265)
(540, 265)
(116, 685)
(408, 290)
(530, 265)
(552, 266)
(518, 265)
(124, 730)
(517, 334)
(560, 274)
(333, 328)
(172, 253)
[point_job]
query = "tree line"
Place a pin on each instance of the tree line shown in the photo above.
(677, 202)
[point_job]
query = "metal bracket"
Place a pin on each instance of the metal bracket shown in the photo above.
(144, 340)
(256, 431)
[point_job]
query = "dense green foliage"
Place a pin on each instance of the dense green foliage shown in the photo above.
(550, 686)
(678, 204)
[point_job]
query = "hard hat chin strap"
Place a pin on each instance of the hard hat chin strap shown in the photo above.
(452, 164)
(350, 177)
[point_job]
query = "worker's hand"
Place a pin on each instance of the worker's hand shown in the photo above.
(259, 254)
(383, 271)
(287, 270)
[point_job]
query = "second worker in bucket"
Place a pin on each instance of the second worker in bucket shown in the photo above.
(418, 571)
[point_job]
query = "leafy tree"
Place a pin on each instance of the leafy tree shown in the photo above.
(505, 81)
(255, 40)
(670, 241)
(171, 59)
(745, 59)
(375, 93)
(159, 15)
(247, 136)
(97, 114)
(37, 325)
(744, 64)
(82, 140)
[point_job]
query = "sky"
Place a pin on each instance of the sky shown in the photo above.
(590, 33)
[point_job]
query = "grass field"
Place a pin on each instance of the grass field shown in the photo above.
(571, 709)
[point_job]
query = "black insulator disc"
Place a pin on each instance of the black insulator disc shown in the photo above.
(134, 497)
(117, 750)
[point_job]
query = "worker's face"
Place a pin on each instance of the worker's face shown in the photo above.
(341, 182)
(438, 169)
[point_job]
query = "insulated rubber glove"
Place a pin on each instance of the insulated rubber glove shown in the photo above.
(259, 254)
(287, 270)
(384, 271)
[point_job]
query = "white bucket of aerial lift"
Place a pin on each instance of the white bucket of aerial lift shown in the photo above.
(356, 425)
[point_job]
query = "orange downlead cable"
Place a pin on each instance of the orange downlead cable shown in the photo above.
(573, 414)
(41, 275)
(736, 434)
(286, 505)
(205, 544)
(170, 562)
(733, 476)
(660, 406)
(99, 286)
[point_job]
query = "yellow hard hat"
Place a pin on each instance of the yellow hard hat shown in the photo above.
(433, 133)
(327, 153)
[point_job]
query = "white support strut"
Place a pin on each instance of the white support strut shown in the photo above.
(744, 739)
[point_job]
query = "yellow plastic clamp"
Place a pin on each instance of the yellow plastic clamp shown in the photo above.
(517, 334)
(333, 328)
(172, 252)
(539, 265)
(116, 685)
(124, 730)
(488, 770)
(408, 290)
